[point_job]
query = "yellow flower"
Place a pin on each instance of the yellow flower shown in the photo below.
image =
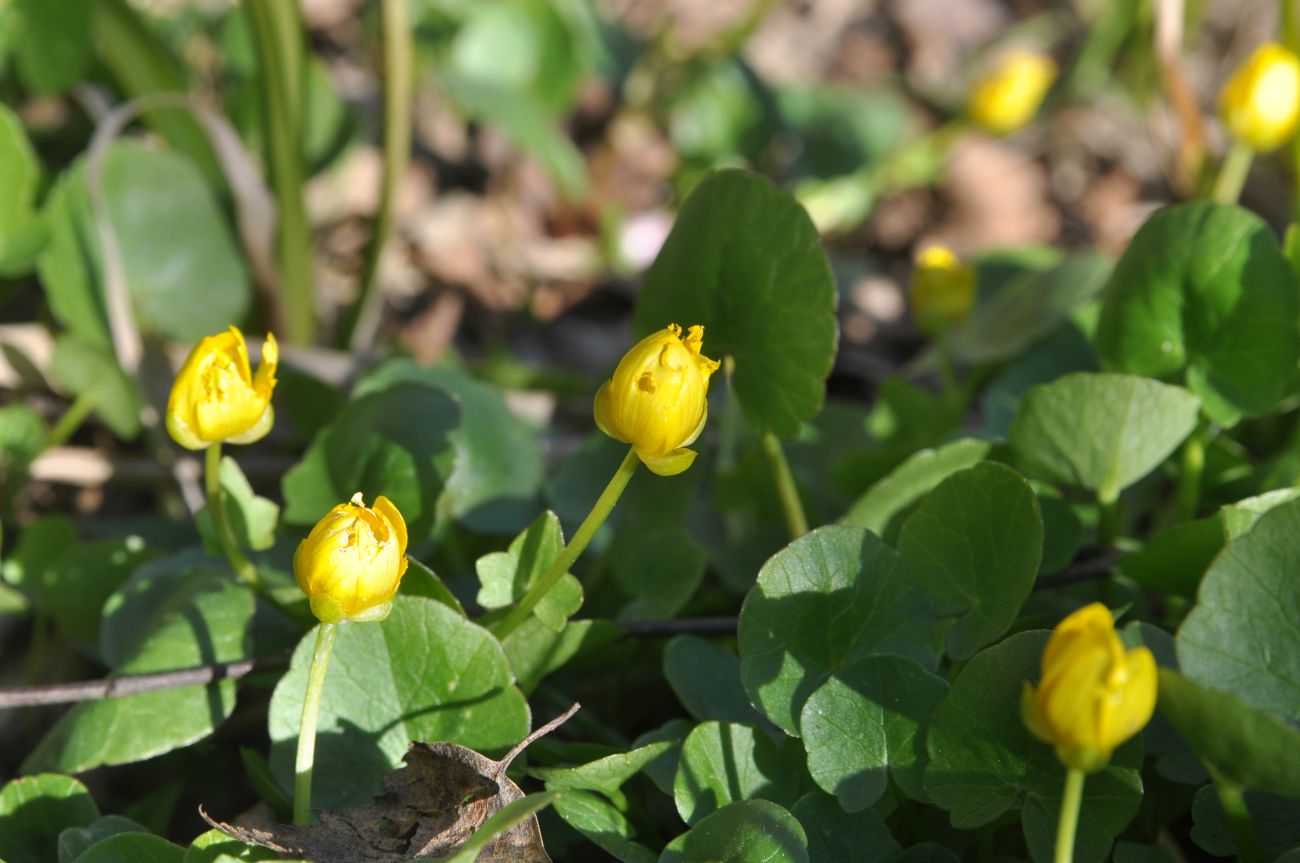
(942, 289)
(656, 399)
(352, 561)
(1260, 104)
(217, 398)
(1008, 96)
(1093, 695)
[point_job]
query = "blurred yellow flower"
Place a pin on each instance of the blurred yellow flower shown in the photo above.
(1006, 98)
(942, 290)
(656, 398)
(1093, 695)
(352, 561)
(217, 398)
(1260, 104)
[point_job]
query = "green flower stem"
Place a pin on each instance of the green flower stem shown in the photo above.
(1107, 516)
(305, 763)
(1233, 173)
(1189, 477)
(791, 507)
(278, 39)
(1069, 822)
(586, 530)
(244, 568)
(71, 420)
(1243, 831)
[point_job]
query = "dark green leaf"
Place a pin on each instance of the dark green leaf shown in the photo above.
(604, 825)
(215, 846)
(55, 49)
(829, 599)
(722, 762)
(605, 775)
(75, 840)
(744, 260)
(1276, 822)
(975, 542)
(535, 650)
(660, 568)
(868, 717)
(706, 679)
(133, 848)
(424, 673)
(34, 810)
(835, 835)
(22, 437)
(20, 234)
(1100, 432)
(743, 832)
(1203, 294)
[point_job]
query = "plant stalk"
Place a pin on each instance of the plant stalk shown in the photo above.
(305, 763)
(604, 505)
(245, 570)
(1107, 517)
(1233, 173)
(788, 493)
(71, 420)
(1243, 830)
(1193, 469)
(1069, 821)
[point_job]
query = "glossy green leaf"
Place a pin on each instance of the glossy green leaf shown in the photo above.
(1204, 295)
(705, 676)
(55, 50)
(73, 841)
(604, 825)
(984, 762)
(1100, 432)
(21, 235)
(660, 568)
(1275, 821)
(605, 775)
(498, 468)
(86, 369)
(252, 517)
(506, 576)
(34, 810)
(834, 834)
(1241, 636)
(722, 762)
(394, 442)
(176, 612)
(132, 848)
(869, 721)
(744, 260)
(829, 599)
(187, 288)
(424, 673)
(883, 507)
(1240, 744)
(743, 832)
(975, 543)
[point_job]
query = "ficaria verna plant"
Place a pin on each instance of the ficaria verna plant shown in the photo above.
(817, 434)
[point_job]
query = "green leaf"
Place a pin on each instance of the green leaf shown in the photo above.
(884, 506)
(216, 846)
(75, 840)
(744, 260)
(1276, 822)
(133, 848)
(514, 812)
(189, 287)
(1132, 852)
(536, 651)
(34, 810)
(1204, 295)
(975, 542)
(1027, 309)
(834, 834)
(604, 825)
(706, 679)
(743, 832)
(661, 568)
(424, 673)
(84, 368)
(252, 518)
(1100, 432)
(829, 599)
(20, 171)
(506, 576)
(868, 717)
(605, 775)
(722, 762)
(1241, 636)
(984, 762)
(498, 470)
(176, 612)
(22, 437)
(1238, 743)
(394, 442)
(55, 49)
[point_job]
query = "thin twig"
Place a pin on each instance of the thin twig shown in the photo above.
(537, 734)
(685, 626)
(134, 684)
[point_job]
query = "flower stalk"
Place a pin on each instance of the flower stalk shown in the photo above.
(1068, 824)
(304, 764)
(796, 522)
(245, 570)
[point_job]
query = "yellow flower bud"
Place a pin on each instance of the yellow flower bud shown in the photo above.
(1008, 96)
(942, 289)
(1093, 695)
(352, 561)
(656, 399)
(1260, 104)
(217, 398)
